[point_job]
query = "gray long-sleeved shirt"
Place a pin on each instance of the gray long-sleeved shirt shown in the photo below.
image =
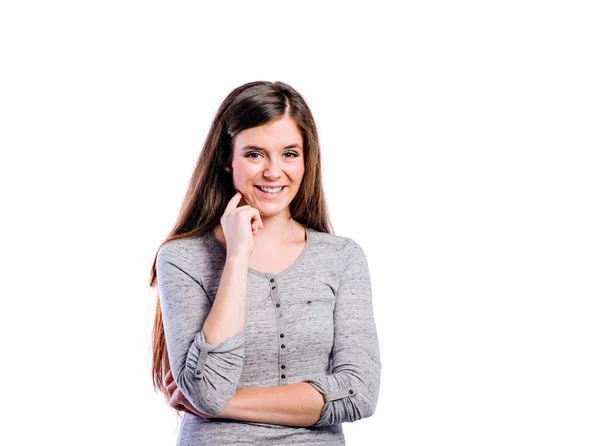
(311, 322)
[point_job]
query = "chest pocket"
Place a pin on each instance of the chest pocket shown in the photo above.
(316, 307)
(310, 325)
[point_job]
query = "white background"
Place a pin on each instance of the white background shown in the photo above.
(460, 149)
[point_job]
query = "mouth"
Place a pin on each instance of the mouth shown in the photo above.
(270, 192)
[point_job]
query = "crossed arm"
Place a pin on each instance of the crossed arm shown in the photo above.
(207, 375)
(298, 404)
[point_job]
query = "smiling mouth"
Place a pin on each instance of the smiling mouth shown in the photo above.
(270, 190)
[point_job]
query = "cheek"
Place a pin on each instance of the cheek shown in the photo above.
(299, 176)
(296, 171)
(243, 174)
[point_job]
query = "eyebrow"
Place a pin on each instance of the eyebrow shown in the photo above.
(291, 146)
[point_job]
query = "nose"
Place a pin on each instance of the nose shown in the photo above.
(272, 170)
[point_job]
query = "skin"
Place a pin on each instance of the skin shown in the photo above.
(270, 162)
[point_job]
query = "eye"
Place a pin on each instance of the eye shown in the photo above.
(251, 155)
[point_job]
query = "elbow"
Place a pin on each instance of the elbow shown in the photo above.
(371, 395)
(369, 408)
(348, 409)
(373, 385)
(364, 405)
(203, 395)
(366, 394)
(348, 397)
(211, 373)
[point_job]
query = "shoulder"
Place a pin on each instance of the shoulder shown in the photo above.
(343, 248)
(173, 250)
(327, 240)
(189, 253)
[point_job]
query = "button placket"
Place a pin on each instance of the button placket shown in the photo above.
(280, 321)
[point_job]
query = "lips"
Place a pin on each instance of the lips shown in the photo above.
(268, 194)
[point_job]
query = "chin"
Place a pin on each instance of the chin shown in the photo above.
(269, 212)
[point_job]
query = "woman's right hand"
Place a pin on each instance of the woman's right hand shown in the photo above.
(240, 225)
(177, 400)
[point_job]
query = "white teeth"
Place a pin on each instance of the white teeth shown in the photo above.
(269, 190)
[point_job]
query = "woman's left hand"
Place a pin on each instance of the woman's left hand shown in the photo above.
(177, 400)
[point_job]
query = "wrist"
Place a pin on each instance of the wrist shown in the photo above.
(230, 409)
(237, 258)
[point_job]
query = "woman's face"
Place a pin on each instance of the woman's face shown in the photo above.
(270, 155)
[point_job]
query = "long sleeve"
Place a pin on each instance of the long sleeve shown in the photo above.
(206, 374)
(351, 390)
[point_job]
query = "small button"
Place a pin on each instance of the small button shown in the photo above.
(272, 287)
(310, 301)
(277, 305)
(283, 367)
(283, 376)
(351, 391)
(281, 335)
(198, 372)
(272, 280)
(282, 345)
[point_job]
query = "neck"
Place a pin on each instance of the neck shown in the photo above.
(277, 227)
(275, 230)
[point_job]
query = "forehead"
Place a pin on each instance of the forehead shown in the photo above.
(272, 136)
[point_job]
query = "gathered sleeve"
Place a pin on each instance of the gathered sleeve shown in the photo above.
(351, 390)
(206, 374)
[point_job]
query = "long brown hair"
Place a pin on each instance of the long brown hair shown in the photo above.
(211, 187)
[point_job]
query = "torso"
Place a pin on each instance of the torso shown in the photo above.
(274, 260)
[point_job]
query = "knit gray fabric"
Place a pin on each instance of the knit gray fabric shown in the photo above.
(311, 322)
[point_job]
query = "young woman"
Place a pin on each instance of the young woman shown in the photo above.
(264, 331)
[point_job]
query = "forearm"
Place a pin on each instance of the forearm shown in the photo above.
(206, 374)
(228, 313)
(298, 404)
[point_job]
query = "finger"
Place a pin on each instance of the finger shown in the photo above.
(179, 401)
(188, 407)
(174, 400)
(252, 214)
(242, 209)
(257, 222)
(168, 378)
(182, 408)
(171, 388)
(233, 202)
(256, 218)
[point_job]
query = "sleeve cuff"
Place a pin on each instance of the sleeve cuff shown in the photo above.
(227, 355)
(344, 396)
(331, 394)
